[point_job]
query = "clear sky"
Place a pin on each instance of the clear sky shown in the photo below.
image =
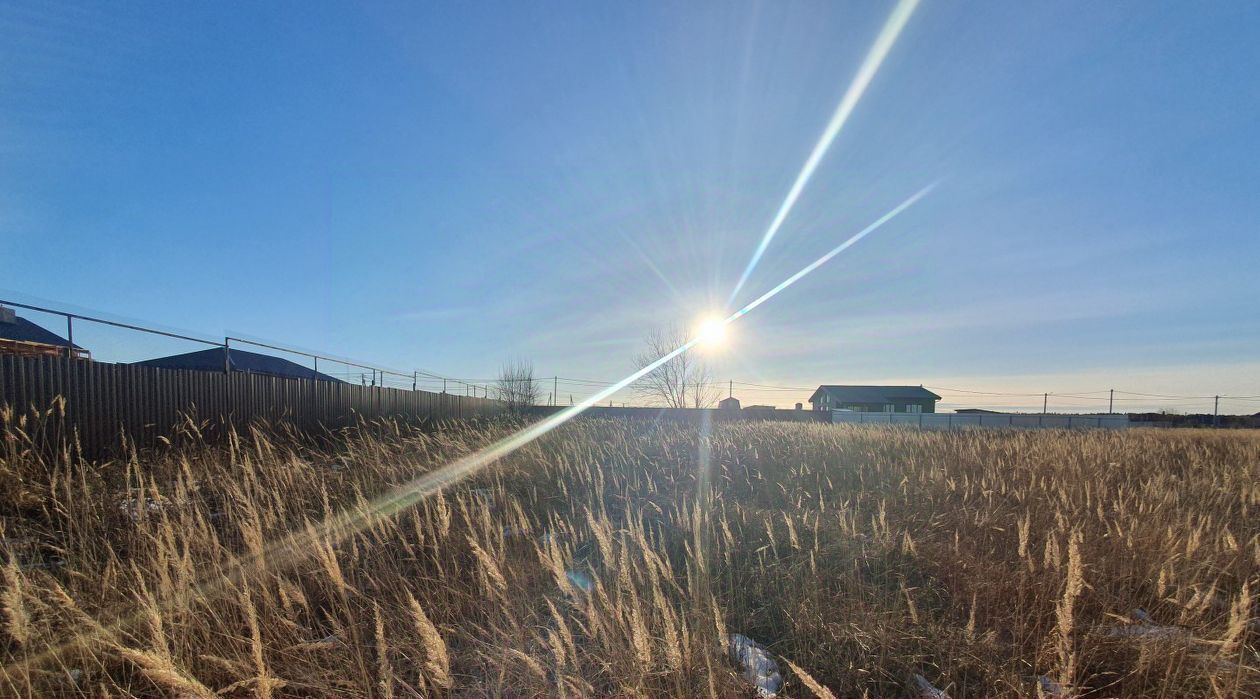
(445, 186)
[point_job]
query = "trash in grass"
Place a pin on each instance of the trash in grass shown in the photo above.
(759, 668)
(920, 688)
(1047, 687)
(136, 505)
(1143, 626)
(580, 580)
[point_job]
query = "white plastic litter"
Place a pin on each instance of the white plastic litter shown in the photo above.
(580, 580)
(136, 506)
(759, 668)
(922, 689)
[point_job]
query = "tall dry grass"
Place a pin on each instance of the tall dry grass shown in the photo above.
(606, 559)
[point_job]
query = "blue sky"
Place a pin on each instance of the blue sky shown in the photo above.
(446, 186)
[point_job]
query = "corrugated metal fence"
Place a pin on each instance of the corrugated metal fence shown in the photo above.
(102, 401)
(689, 414)
(954, 421)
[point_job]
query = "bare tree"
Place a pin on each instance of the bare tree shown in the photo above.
(516, 385)
(686, 381)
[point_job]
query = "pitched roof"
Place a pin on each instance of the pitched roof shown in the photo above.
(873, 394)
(23, 330)
(252, 362)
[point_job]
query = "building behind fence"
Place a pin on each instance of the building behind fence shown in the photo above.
(104, 401)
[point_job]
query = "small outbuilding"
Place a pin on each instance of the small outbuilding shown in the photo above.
(731, 403)
(20, 336)
(875, 399)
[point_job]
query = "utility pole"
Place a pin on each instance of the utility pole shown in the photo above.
(414, 374)
(555, 390)
(1045, 401)
(1111, 403)
(1216, 412)
(730, 388)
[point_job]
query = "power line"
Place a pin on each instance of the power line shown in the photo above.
(1161, 395)
(984, 393)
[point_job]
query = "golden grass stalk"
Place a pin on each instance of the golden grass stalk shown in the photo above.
(165, 674)
(437, 662)
(1072, 587)
(17, 617)
(814, 686)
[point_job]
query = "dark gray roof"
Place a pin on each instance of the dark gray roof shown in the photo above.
(24, 330)
(252, 362)
(873, 394)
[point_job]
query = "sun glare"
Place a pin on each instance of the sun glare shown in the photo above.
(711, 333)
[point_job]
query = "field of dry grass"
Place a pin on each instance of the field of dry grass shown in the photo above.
(615, 558)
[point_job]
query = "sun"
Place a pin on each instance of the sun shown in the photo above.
(711, 332)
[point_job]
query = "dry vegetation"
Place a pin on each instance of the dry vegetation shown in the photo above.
(988, 563)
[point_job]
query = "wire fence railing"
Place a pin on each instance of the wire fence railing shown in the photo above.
(367, 373)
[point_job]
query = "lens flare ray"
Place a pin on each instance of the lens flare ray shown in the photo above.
(874, 58)
(833, 252)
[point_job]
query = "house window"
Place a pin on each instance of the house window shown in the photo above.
(914, 408)
(890, 408)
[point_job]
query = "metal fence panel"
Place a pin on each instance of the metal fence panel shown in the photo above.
(103, 401)
(955, 421)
